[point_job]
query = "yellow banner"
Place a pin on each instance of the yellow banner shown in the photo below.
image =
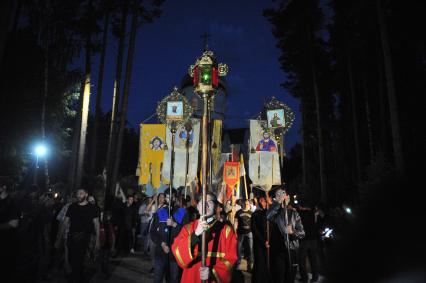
(216, 145)
(151, 148)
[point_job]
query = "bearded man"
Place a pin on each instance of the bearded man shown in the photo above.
(83, 220)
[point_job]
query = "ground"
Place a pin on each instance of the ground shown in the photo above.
(134, 269)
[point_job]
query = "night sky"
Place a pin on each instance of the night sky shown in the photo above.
(240, 37)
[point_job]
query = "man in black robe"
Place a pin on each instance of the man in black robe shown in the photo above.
(260, 243)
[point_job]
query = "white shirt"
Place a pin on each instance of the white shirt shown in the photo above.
(145, 215)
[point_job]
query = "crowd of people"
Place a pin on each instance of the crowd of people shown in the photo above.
(43, 234)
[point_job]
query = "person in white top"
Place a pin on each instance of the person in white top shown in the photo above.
(146, 211)
(253, 205)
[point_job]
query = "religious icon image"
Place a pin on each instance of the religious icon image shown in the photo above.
(182, 135)
(276, 118)
(231, 172)
(156, 143)
(266, 144)
(174, 110)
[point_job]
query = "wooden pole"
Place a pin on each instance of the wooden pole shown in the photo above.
(172, 173)
(187, 159)
(258, 169)
(172, 169)
(233, 201)
(267, 232)
(272, 169)
(209, 145)
(245, 179)
(205, 139)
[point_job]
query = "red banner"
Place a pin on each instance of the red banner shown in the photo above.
(231, 173)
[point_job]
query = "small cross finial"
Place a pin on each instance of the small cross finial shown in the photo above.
(206, 37)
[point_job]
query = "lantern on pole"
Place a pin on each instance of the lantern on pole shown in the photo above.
(205, 73)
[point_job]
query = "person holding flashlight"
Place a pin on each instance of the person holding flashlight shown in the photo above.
(286, 231)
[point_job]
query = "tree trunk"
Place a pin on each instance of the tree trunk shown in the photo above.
(109, 165)
(384, 142)
(17, 17)
(43, 111)
(84, 120)
(318, 116)
(319, 131)
(393, 104)
(45, 94)
(126, 90)
(94, 149)
(6, 12)
(85, 106)
(304, 169)
(368, 118)
(75, 140)
(354, 119)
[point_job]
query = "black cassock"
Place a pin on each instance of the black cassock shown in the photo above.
(258, 227)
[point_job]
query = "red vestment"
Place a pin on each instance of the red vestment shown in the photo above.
(221, 256)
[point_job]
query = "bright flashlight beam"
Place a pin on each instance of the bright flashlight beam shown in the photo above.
(328, 233)
(348, 210)
(40, 150)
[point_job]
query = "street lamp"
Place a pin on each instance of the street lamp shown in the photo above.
(348, 210)
(40, 151)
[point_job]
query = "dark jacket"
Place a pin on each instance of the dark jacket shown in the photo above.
(309, 225)
(276, 214)
(129, 216)
(160, 232)
(258, 227)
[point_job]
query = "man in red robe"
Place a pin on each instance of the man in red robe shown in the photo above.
(221, 247)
